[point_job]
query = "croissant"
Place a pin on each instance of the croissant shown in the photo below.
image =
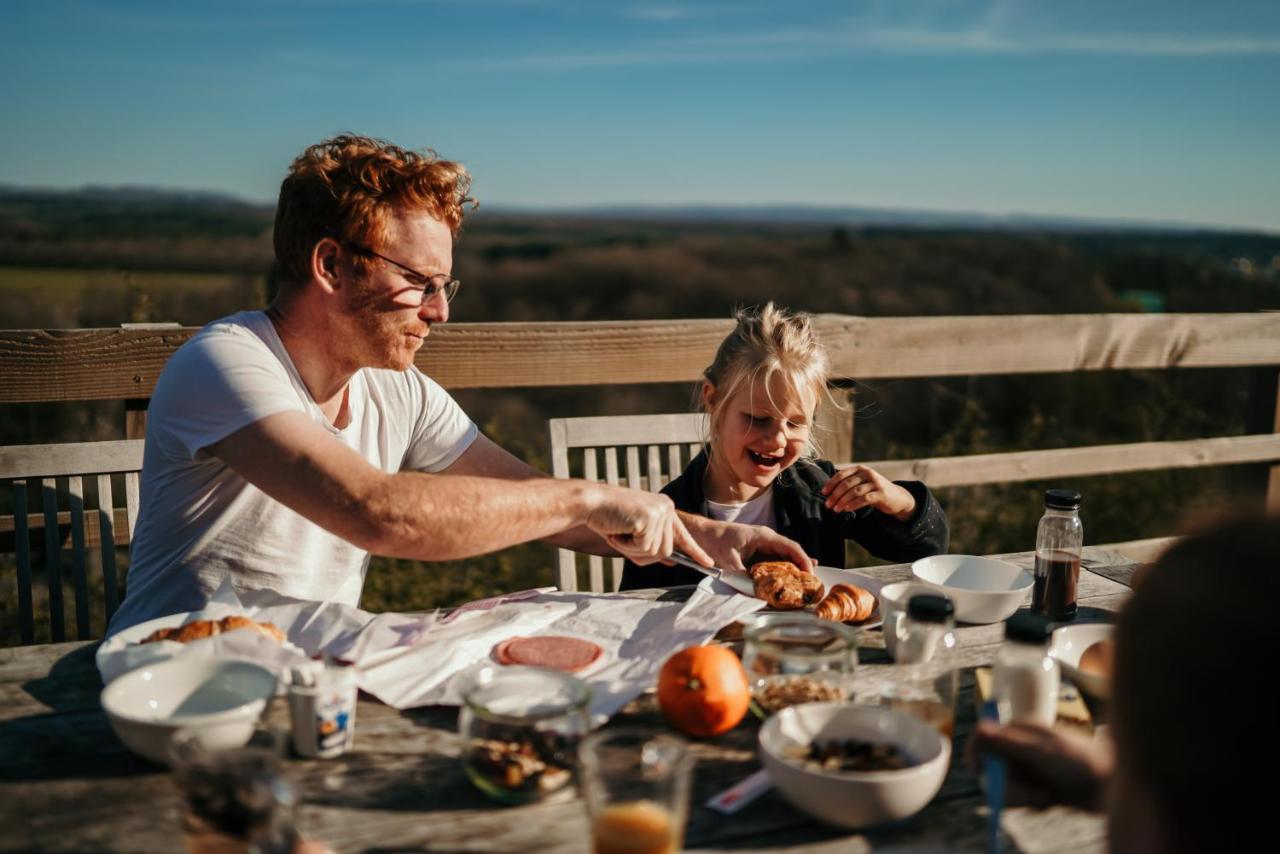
(200, 629)
(846, 603)
(784, 585)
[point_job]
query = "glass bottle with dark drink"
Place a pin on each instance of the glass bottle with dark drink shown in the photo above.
(1059, 541)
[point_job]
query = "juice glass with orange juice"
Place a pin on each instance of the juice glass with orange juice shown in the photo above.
(636, 787)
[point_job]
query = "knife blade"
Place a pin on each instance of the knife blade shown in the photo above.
(737, 580)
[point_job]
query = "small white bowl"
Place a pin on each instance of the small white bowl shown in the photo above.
(214, 702)
(1069, 643)
(854, 799)
(984, 590)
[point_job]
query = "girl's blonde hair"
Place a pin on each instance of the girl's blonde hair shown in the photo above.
(768, 341)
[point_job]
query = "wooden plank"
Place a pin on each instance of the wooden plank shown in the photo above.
(50, 365)
(633, 429)
(1079, 462)
(566, 560)
(135, 418)
(634, 477)
(105, 519)
(22, 552)
(595, 563)
(1018, 344)
(60, 460)
(53, 558)
(84, 364)
(92, 525)
(655, 469)
(132, 500)
(615, 563)
(1142, 551)
(75, 498)
(833, 427)
(1273, 477)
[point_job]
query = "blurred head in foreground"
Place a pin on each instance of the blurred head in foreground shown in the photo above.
(1194, 696)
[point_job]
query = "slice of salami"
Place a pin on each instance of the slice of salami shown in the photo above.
(560, 653)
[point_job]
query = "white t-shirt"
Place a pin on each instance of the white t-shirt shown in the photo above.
(757, 511)
(200, 523)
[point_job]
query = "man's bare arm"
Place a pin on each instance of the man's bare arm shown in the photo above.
(436, 516)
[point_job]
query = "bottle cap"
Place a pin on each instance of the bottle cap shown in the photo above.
(1028, 627)
(1062, 499)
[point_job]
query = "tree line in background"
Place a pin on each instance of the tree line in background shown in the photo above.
(89, 261)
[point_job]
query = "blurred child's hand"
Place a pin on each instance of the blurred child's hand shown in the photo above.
(859, 486)
(1046, 766)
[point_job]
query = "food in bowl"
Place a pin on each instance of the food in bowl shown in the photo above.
(851, 754)
(785, 586)
(854, 798)
(200, 629)
(1085, 652)
(1099, 658)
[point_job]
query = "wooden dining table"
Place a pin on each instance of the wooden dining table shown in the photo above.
(67, 783)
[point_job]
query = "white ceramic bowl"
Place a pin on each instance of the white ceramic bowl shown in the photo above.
(216, 701)
(1069, 643)
(854, 799)
(983, 589)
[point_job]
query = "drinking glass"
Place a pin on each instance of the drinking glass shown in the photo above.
(636, 787)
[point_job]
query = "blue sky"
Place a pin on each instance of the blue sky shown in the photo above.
(1137, 109)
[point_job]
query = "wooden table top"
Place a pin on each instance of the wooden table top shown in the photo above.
(67, 783)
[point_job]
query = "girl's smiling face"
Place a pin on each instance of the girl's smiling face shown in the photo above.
(756, 434)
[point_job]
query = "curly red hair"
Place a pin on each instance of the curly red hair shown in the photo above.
(347, 187)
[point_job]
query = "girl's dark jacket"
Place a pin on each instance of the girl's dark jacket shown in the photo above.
(799, 513)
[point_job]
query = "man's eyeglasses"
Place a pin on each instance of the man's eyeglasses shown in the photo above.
(429, 286)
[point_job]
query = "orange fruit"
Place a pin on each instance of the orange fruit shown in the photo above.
(703, 690)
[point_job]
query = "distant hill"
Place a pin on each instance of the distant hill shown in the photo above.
(148, 228)
(863, 217)
(64, 205)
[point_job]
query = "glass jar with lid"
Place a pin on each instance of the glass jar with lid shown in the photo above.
(522, 727)
(793, 658)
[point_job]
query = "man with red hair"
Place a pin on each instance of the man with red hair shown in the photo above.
(283, 447)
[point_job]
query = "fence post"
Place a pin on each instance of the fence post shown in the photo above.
(135, 408)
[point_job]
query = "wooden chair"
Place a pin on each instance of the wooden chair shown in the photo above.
(670, 439)
(68, 521)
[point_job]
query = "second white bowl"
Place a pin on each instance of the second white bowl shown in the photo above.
(854, 799)
(984, 590)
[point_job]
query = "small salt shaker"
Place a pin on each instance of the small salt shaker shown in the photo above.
(1025, 675)
(322, 708)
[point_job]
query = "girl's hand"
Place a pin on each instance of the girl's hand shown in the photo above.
(856, 487)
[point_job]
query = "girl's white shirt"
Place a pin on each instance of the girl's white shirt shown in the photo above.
(757, 511)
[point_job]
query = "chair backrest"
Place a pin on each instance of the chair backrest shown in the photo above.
(669, 442)
(61, 518)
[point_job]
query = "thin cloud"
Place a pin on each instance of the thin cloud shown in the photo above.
(800, 43)
(682, 12)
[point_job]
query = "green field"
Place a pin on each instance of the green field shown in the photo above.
(74, 283)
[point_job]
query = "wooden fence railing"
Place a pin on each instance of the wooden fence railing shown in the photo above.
(94, 364)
